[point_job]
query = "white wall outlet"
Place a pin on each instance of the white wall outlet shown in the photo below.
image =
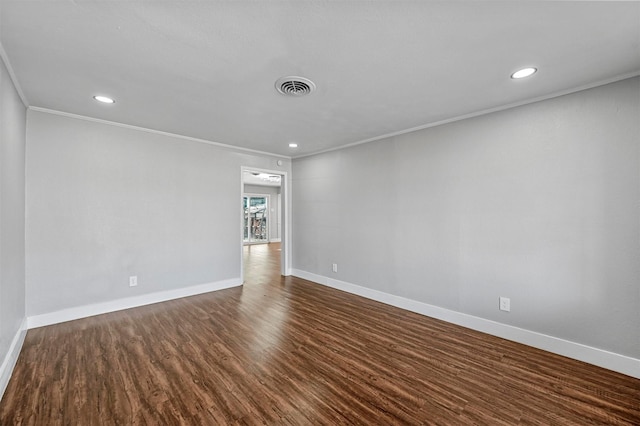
(334, 267)
(133, 280)
(505, 304)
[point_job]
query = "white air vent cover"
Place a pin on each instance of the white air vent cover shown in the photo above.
(295, 86)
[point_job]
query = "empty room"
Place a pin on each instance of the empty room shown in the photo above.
(319, 212)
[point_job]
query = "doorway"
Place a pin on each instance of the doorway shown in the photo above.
(265, 214)
(256, 218)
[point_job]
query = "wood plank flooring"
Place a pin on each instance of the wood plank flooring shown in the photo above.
(285, 351)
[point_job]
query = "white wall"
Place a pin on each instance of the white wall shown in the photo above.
(12, 251)
(538, 203)
(105, 202)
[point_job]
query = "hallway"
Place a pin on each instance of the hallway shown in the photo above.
(261, 262)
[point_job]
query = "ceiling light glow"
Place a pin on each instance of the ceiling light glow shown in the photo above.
(269, 178)
(293, 145)
(104, 99)
(525, 72)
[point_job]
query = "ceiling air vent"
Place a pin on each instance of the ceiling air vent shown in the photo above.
(295, 86)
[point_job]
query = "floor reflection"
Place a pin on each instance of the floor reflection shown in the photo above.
(268, 309)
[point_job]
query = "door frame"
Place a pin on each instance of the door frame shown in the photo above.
(285, 211)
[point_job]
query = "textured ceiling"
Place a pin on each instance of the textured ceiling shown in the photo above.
(206, 69)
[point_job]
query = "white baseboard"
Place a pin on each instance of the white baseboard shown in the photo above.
(126, 303)
(11, 358)
(609, 360)
(275, 240)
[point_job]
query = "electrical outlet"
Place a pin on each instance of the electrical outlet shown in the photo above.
(505, 304)
(334, 267)
(133, 281)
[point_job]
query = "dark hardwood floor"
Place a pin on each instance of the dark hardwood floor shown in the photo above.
(287, 351)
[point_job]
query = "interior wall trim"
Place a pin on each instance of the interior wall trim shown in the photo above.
(12, 76)
(478, 113)
(11, 358)
(157, 132)
(85, 311)
(599, 357)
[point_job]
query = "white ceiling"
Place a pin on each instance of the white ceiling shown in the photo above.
(261, 179)
(206, 69)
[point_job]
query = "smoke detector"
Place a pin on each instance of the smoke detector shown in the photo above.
(295, 86)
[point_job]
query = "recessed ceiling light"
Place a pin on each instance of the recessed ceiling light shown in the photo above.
(524, 72)
(293, 145)
(104, 99)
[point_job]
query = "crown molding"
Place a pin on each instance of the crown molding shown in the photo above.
(12, 75)
(157, 132)
(479, 113)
